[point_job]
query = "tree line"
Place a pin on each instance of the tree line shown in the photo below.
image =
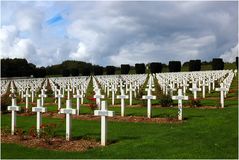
(21, 68)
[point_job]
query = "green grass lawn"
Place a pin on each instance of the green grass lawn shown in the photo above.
(205, 133)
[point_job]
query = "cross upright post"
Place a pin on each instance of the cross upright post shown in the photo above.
(42, 96)
(194, 89)
(180, 97)
(77, 96)
(39, 109)
(149, 97)
(222, 89)
(68, 111)
(27, 95)
(122, 97)
(104, 113)
(14, 108)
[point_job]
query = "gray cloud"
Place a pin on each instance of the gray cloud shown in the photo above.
(128, 32)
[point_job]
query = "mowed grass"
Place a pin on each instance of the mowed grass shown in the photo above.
(205, 133)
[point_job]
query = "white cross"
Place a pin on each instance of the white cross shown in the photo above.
(12, 95)
(78, 96)
(42, 95)
(12, 89)
(149, 97)
(13, 108)
(222, 89)
(98, 96)
(121, 85)
(68, 91)
(39, 109)
(184, 85)
(59, 96)
(103, 113)
(130, 89)
(82, 94)
(68, 111)
(122, 97)
(209, 84)
(27, 95)
(33, 91)
(113, 93)
(180, 97)
(171, 89)
(194, 89)
(203, 88)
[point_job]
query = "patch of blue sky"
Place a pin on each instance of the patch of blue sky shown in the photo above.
(24, 34)
(55, 19)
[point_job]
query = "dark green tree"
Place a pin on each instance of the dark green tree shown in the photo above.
(86, 71)
(75, 72)
(110, 70)
(237, 62)
(39, 72)
(65, 72)
(217, 64)
(125, 68)
(98, 70)
(140, 68)
(194, 65)
(156, 67)
(174, 66)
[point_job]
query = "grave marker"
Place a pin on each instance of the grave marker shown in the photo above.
(77, 96)
(104, 113)
(39, 109)
(149, 97)
(122, 97)
(14, 108)
(222, 89)
(180, 97)
(68, 111)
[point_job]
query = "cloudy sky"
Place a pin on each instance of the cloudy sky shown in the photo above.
(112, 33)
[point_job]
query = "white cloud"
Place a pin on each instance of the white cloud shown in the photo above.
(180, 46)
(12, 46)
(29, 19)
(230, 55)
(81, 53)
(118, 32)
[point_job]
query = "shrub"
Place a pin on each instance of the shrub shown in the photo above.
(32, 131)
(47, 132)
(92, 103)
(21, 133)
(195, 102)
(5, 101)
(5, 130)
(166, 101)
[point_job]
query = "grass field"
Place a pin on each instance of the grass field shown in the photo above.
(205, 133)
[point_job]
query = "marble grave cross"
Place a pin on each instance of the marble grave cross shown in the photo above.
(39, 109)
(14, 108)
(104, 113)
